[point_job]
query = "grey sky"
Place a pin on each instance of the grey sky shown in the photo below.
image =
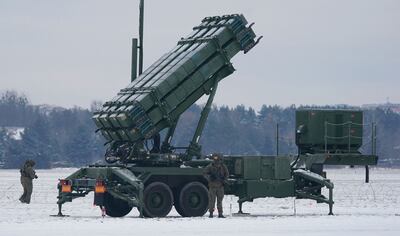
(313, 52)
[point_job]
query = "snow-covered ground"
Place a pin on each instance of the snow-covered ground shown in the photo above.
(360, 209)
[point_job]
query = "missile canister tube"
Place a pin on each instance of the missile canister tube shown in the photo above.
(157, 98)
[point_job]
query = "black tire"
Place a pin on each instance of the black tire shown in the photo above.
(193, 200)
(158, 200)
(115, 207)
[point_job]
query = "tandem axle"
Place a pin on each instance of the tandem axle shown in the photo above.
(155, 190)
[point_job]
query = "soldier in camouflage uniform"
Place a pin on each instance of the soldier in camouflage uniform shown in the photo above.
(216, 173)
(27, 175)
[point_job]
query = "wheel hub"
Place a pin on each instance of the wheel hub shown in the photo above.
(156, 200)
(194, 200)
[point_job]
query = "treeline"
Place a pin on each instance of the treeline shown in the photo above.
(58, 137)
(53, 136)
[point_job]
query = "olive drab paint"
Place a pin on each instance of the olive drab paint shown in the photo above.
(157, 98)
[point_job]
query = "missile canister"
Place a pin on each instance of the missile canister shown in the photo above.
(157, 98)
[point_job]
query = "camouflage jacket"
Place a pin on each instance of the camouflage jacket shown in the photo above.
(216, 174)
(28, 172)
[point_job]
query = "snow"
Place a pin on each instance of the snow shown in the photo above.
(360, 209)
(15, 132)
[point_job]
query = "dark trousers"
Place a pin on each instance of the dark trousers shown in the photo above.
(28, 187)
(215, 193)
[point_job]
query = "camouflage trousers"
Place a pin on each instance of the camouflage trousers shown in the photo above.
(28, 187)
(215, 193)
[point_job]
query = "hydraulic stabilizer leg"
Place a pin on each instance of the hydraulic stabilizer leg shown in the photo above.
(60, 202)
(59, 214)
(330, 201)
(240, 208)
(60, 210)
(240, 201)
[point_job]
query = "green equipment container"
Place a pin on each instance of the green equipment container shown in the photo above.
(319, 131)
(157, 98)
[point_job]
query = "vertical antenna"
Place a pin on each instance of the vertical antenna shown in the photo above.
(137, 47)
(277, 139)
(134, 59)
(141, 19)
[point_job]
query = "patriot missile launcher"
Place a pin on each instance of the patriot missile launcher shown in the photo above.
(164, 176)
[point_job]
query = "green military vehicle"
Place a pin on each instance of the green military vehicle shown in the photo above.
(154, 178)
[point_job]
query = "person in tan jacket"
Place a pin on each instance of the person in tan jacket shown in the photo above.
(27, 175)
(217, 174)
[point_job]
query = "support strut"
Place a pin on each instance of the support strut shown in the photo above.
(194, 147)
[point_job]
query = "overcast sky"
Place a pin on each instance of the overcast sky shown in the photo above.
(313, 51)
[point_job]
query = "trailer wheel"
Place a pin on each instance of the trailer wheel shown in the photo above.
(193, 199)
(115, 207)
(158, 200)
